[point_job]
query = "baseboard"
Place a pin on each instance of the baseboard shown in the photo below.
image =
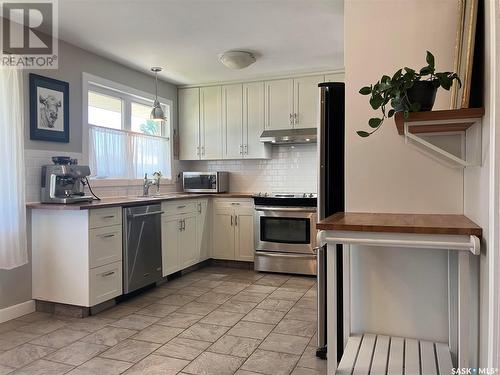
(16, 311)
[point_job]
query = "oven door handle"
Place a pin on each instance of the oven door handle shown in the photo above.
(285, 209)
(287, 255)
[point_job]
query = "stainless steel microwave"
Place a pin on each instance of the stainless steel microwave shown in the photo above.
(205, 182)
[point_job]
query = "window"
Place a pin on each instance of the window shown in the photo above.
(123, 142)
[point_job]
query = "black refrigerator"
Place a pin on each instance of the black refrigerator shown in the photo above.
(331, 198)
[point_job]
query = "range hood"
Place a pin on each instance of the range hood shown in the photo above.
(289, 136)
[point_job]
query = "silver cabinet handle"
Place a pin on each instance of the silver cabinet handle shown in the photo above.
(183, 224)
(198, 150)
(108, 217)
(235, 220)
(231, 220)
(199, 208)
(108, 274)
(291, 119)
(246, 149)
(134, 216)
(180, 225)
(235, 203)
(295, 119)
(107, 235)
(183, 206)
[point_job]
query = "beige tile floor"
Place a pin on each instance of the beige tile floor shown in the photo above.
(214, 321)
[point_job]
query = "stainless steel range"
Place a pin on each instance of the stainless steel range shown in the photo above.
(285, 232)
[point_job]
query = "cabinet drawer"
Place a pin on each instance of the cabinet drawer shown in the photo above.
(105, 217)
(224, 203)
(105, 245)
(179, 207)
(105, 283)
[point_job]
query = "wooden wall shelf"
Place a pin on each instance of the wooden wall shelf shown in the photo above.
(444, 121)
(400, 223)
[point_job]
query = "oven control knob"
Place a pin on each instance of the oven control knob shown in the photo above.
(265, 194)
(311, 195)
(304, 195)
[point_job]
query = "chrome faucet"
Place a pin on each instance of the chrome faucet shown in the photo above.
(151, 181)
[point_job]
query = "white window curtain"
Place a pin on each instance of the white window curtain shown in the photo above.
(124, 154)
(13, 246)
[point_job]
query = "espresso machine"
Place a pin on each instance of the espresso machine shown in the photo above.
(64, 181)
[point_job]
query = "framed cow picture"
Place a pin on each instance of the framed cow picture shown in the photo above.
(49, 109)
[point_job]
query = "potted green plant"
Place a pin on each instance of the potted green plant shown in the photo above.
(406, 91)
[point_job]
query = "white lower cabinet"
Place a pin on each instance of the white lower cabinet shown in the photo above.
(85, 267)
(184, 234)
(170, 229)
(203, 229)
(233, 237)
(244, 236)
(223, 233)
(105, 282)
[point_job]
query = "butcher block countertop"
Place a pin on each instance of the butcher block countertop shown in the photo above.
(401, 223)
(132, 201)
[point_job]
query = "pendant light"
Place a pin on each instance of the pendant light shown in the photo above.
(157, 111)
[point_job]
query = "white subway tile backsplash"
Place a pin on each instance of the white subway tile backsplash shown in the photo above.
(293, 168)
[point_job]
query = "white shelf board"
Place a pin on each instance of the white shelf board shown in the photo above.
(370, 354)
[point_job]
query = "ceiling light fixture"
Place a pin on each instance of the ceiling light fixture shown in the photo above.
(237, 59)
(157, 113)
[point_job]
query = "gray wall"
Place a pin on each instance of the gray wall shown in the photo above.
(72, 62)
(15, 285)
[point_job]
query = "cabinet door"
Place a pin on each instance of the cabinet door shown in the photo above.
(188, 250)
(203, 237)
(253, 122)
(170, 228)
(232, 121)
(244, 234)
(211, 122)
(189, 123)
(306, 101)
(279, 104)
(223, 244)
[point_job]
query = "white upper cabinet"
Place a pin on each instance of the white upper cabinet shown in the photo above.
(211, 122)
(279, 104)
(306, 101)
(226, 122)
(253, 122)
(232, 120)
(189, 123)
(292, 103)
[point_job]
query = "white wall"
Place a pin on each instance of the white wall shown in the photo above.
(15, 285)
(397, 291)
(482, 197)
(291, 169)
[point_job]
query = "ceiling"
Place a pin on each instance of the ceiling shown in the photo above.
(186, 36)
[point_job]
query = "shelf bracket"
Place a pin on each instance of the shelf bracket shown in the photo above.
(472, 147)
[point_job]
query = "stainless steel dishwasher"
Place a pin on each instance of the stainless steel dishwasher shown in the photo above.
(141, 246)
